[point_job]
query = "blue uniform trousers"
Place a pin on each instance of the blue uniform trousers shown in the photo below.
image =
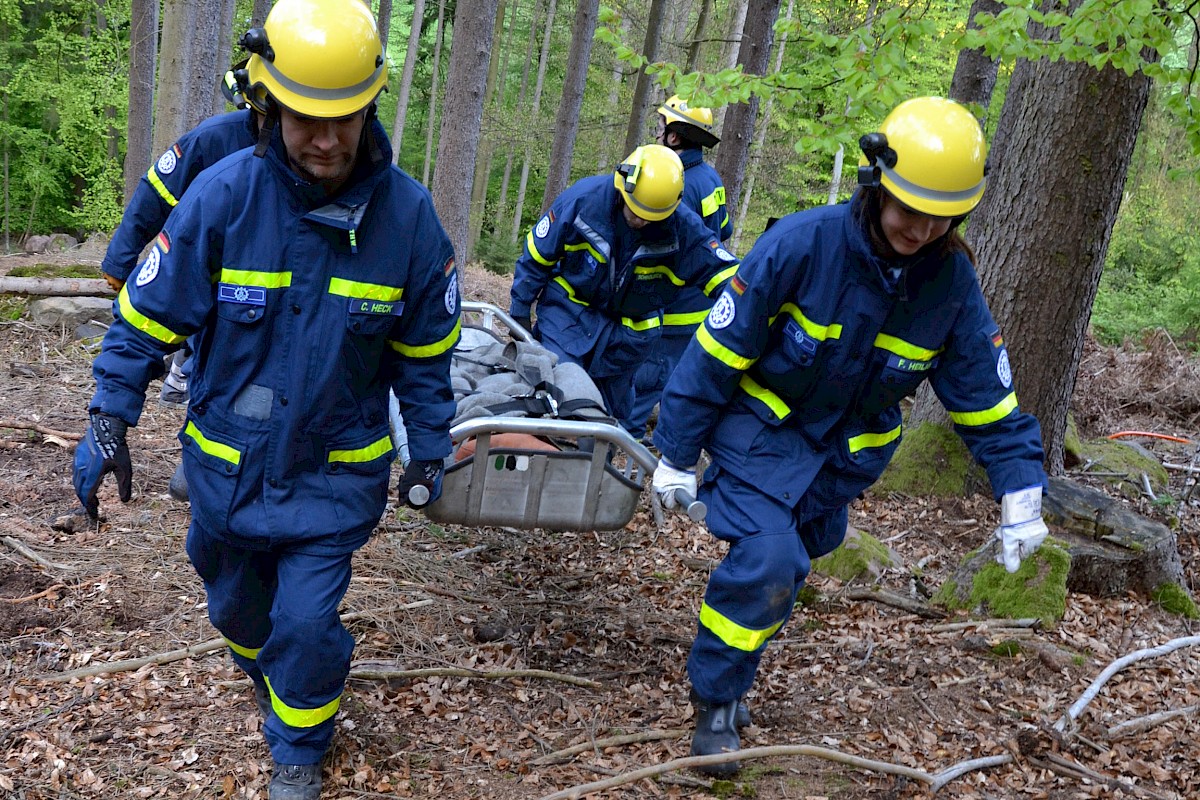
(278, 610)
(649, 381)
(752, 591)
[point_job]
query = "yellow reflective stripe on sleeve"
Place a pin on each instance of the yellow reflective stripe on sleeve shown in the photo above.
(429, 350)
(245, 652)
(251, 277)
(864, 440)
(361, 455)
(570, 290)
(660, 270)
(725, 221)
(719, 278)
(533, 251)
(988, 416)
(904, 349)
(732, 634)
(161, 188)
(711, 204)
(367, 291)
(691, 318)
(137, 319)
(586, 246)
(301, 717)
(221, 451)
(813, 329)
(764, 395)
(720, 352)
(641, 324)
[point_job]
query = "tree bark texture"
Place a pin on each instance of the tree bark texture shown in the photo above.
(583, 31)
(635, 134)
(975, 73)
(738, 131)
(224, 52)
(384, 21)
(487, 143)
(502, 205)
(410, 61)
(258, 15)
(534, 114)
(203, 64)
(462, 116)
(439, 38)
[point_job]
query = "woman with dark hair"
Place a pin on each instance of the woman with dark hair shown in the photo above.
(794, 380)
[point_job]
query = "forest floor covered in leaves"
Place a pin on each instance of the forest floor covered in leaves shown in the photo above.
(512, 664)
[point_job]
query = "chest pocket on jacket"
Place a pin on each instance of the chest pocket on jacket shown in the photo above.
(901, 368)
(787, 365)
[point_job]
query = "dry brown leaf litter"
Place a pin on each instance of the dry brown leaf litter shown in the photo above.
(617, 608)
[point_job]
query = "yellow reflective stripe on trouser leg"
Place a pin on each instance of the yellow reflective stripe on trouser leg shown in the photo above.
(301, 717)
(973, 419)
(245, 652)
(732, 634)
(161, 187)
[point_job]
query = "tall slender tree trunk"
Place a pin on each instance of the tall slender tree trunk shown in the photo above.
(975, 73)
(636, 132)
(680, 12)
(433, 90)
(384, 20)
(502, 207)
(203, 72)
(760, 138)
(7, 200)
(583, 31)
(738, 131)
(696, 44)
(733, 49)
(410, 61)
(139, 125)
(611, 127)
(224, 52)
(534, 111)
(835, 181)
(458, 144)
(487, 143)
(170, 111)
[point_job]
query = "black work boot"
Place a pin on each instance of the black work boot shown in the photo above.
(716, 732)
(295, 782)
(262, 696)
(178, 487)
(741, 717)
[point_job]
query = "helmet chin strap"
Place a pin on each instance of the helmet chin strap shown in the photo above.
(270, 120)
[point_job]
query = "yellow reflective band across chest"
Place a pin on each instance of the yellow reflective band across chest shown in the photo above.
(904, 349)
(711, 204)
(659, 270)
(586, 246)
(813, 329)
(570, 290)
(138, 320)
(865, 440)
(253, 277)
(685, 320)
(221, 451)
(734, 635)
(364, 291)
(720, 352)
(765, 396)
(974, 419)
(361, 455)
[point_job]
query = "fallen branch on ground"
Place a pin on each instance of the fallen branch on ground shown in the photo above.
(896, 601)
(34, 557)
(1142, 724)
(983, 625)
(610, 741)
(28, 598)
(1070, 769)
(22, 425)
(375, 674)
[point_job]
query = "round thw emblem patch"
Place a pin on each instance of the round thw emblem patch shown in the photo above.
(1003, 370)
(166, 163)
(722, 313)
(543, 227)
(452, 294)
(149, 270)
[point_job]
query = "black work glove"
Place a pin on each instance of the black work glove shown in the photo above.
(103, 450)
(421, 483)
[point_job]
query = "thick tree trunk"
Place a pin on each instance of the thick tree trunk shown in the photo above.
(433, 91)
(636, 132)
(384, 20)
(733, 49)
(170, 114)
(258, 15)
(502, 205)
(534, 112)
(583, 31)
(474, 23)
(738, 130)
(410, 61)
(975, 73)
(203, 70)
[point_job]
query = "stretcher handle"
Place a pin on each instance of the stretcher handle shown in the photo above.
(694, 509)
(418, 496)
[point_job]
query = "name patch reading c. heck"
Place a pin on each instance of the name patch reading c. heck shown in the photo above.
(392, 308)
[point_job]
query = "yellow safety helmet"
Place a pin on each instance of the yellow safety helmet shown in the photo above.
(317, 58)
(651, 181)
(697, 122)
(929, 154)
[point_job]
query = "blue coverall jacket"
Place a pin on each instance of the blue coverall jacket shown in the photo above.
(793, 385)
(308, 310)
(159, 190)
(601, 287)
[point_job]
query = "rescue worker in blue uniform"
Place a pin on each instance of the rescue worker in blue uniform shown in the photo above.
(316, 277)
(158, 192)
(687, 130)
(606, 259)
(794, 380)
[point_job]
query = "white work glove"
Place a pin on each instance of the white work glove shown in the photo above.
(1021, 530)
(668, 479)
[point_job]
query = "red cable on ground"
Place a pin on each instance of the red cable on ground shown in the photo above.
(1179, 439)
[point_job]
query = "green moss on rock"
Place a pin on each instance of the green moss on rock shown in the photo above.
(55, 271)
(1176, 600)
(1128, 460)
(1038, 589)
(932, 460)
(861, 554)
